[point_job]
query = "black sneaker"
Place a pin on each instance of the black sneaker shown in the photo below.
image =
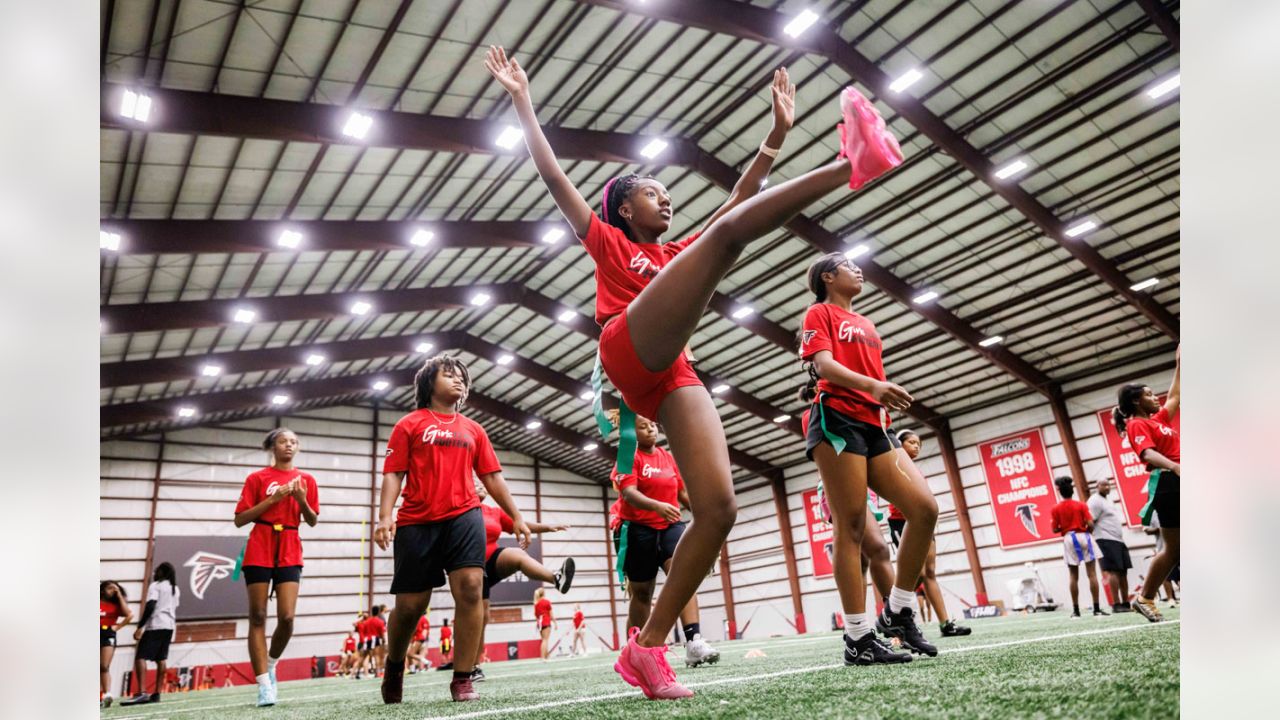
(477, 675)
(564, 578)
(1121, 608)
(1099, 612)
(868, 650)
(951, 629)
(138, 699)
(902, 625)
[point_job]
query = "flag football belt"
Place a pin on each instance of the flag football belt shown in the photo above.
(622, 552)
(275, 527)
(1148, 511)
(626, 421)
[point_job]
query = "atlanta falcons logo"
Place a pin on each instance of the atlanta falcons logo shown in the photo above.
(205, 568)
(1027, 513)
(807, 337)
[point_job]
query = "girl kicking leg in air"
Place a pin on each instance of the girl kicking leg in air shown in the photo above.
(651, 526)
(503, 562)
(650, 298)
(933, 592)
(275, 499)
(436, 452)
(854, 449)
(1149, 427)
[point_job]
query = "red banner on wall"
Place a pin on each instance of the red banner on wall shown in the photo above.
(819, 535)
(1021, 487)
(1130, 473)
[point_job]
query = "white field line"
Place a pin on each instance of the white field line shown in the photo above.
(782, 673)
(247, 700)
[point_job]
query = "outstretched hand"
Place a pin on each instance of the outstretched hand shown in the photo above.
(507, 72)
(784, 99)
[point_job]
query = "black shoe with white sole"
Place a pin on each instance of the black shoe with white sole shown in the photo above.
(902, 625)
(869, 650)
(951, 629)
(564, 578)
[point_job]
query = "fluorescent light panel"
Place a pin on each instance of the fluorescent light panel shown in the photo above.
(1010, 170)
(800, 23)
(314, 359)
(279, 399)
(991, 340)
(424, 348)
(1081, 228)
(654, 148)
(244, 315)
(588, 395)
(505, 359)
(720, 389)
(480, 299)
(108, 240)
(357, 126)
(552, 236)
(360, 307)
(289, 239)
(857, 251)
(186, 412)
(135, 105)
(742, 312)
(925, 297)
(782, 418)
(381, 385)
(509, 138)
(211, 370)
(533, 425)
(1149, 282)
(590, 446)
(1165, 87)
(906, 80)
(422, 238)
(566, 316)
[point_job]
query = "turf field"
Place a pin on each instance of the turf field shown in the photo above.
(1044, 666)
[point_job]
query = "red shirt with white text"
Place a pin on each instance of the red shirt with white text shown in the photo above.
(657, 478)
(1154, 433)
(853, 342)
(623, 267)
(440, 455)
(265, 544)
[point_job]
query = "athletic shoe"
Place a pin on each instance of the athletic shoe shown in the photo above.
(393, 687)
(1173, 603)
(1147, 608)
(266, 695)
(153, 698)
(107, 700)
(1099, 612)
(477, 675)
(564, 578)
(951, 629)
(697, 652)
(871, 148)
(869, 650)
(1075, 613)
(138, 699)
(462, 691)
(647, 669)
(1121, 608)
(902, 625)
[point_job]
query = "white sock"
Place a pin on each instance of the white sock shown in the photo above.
(264, 680)
(899, 598)
(271, 663)
(857, 625)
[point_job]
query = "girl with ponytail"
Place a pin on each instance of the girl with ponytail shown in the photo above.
(650, 297)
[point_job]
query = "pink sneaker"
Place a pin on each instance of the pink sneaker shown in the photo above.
(647, 669)
(872, 150)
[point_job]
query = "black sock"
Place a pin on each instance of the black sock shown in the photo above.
(692, 629)
(396, 667)
(461, 675)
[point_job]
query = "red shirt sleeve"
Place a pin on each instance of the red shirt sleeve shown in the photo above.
(397, 457)
(508, 525)
(1141, 435)
(815, 335)
(626, 481)
(313, 493)
(598, 234)
(486, 459)
(248, 494)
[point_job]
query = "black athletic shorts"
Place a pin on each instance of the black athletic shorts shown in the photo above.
(1115, 555)
(254, 574)
(647, 549)
(424, 553)
(491, 571)
(1168, 492)
(895, 530)
(860, 438)
(154, 645)
(106, 637)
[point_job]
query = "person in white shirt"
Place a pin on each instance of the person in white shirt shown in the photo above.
(155, 631)
(1108, 529)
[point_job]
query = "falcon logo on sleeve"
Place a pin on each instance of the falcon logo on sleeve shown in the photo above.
(1027, 513)
(808, 337)
(205, 568)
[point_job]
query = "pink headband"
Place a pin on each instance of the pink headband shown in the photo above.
(604, 201)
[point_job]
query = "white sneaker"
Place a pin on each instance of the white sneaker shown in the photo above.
(266, 695)
(698, 652)
(107, 700)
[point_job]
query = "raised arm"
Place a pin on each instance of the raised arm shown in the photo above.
(514, 80)
(540, 528)
(752, 180)
(1175, 394)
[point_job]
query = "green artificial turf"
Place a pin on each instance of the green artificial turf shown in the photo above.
(1058, 668)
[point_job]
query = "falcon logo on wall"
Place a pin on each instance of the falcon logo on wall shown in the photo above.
(1027, 513)
(207, 567)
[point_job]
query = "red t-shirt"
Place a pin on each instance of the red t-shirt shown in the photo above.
(1154, 433)
(895, 513)
(1070, 515)
(615, 514)
(362, 629)
(657, 478)
(375, 627)
(109, 613)
(623, 267)
(266, 546)
(853, 342)
(542, 609)
(423, 629)
(577, 619)
(438, 454)
(349, 645)
(446, 633)
(496, 522)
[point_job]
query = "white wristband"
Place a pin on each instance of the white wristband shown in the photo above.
(766, 150)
